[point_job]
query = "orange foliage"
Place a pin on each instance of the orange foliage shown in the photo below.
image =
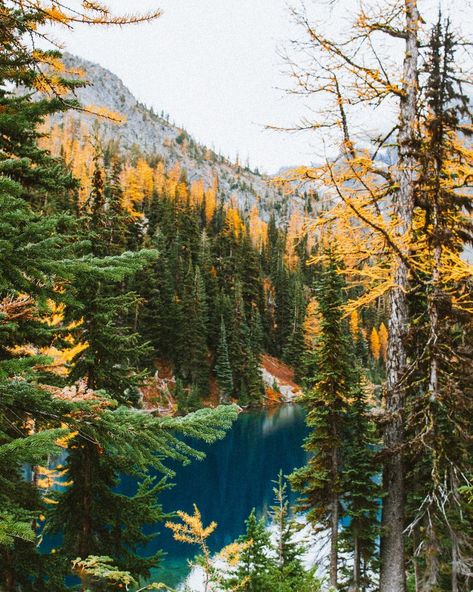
(355, 323)
(16, 308)
(197, 192)
(137, 183)
(383, 340)
(211, 199)
(234, 222)
(311, 322)
(258, 228)
(375, 344)
(294, 234)
(191, 529)
(60, 359)
(73, 141)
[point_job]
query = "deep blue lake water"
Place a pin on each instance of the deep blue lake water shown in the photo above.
(235, 477)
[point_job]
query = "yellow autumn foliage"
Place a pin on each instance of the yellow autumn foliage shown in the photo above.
(231, 553)
(311, 322)
(355, 323)
(375, 344)
(61, 358)
(191, 530)
(258, 228)
(383, 340)
(234, 223)
(211, 199)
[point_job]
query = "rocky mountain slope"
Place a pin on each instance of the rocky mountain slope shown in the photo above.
(153, 134)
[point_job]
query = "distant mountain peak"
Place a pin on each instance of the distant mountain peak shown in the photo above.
(154, 135)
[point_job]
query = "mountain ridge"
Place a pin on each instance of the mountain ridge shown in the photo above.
(154, 135)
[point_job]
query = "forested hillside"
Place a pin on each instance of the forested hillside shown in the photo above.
(226, 286)
(135, 128)
(152, 292)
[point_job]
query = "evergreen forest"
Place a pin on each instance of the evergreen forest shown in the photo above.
(149, 298)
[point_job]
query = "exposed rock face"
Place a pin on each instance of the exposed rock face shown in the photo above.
(278, 379)
(155, 135)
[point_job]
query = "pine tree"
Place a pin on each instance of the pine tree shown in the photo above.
(353, 197)
(250, 273)
(90, 513)
(283, 312)
(55, 267)
(375, 344)
(159, 318)
(288, 552)
(37, 254)
(295, 348)
(361, 498)
(247, 379)
(223, 369)
(383, 340)
(439, 408)
(117, 220)
(320, 482)
(194, 363)
(95, 519)
(288, 572)
(255, 566)
(187, 398)
(115, 356)
(205, 263)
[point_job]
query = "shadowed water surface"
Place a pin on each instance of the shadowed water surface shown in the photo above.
(236, 476)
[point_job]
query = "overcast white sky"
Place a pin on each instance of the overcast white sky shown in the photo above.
(213, 66)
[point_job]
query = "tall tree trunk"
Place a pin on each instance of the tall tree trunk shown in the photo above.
(85, 533)
(455, 542)
(432, 566)
(417, 569)
(334, 543)
(356, 564)
(334, 509)
(392, 577)
(9, 576)
(455, 587)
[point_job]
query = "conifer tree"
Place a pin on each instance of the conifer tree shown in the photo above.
(356, 69)
(117, 221)
(160, 316)
(256, 331)
(205, 263)
(321, 482)
(295, 348)
(361, 491)
(223, 369)
(254, 568)
(90, 513)
(288, 552)
(194, 364)
(49, 265)
(250, 274)
(283, 312)
(288, 572)
(115, 356)
(245, 361)
(439, 408)
(383, 340)
(375, 344)
(37, 253)
(152, 284)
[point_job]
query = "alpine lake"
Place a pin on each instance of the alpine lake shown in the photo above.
(236, 476)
